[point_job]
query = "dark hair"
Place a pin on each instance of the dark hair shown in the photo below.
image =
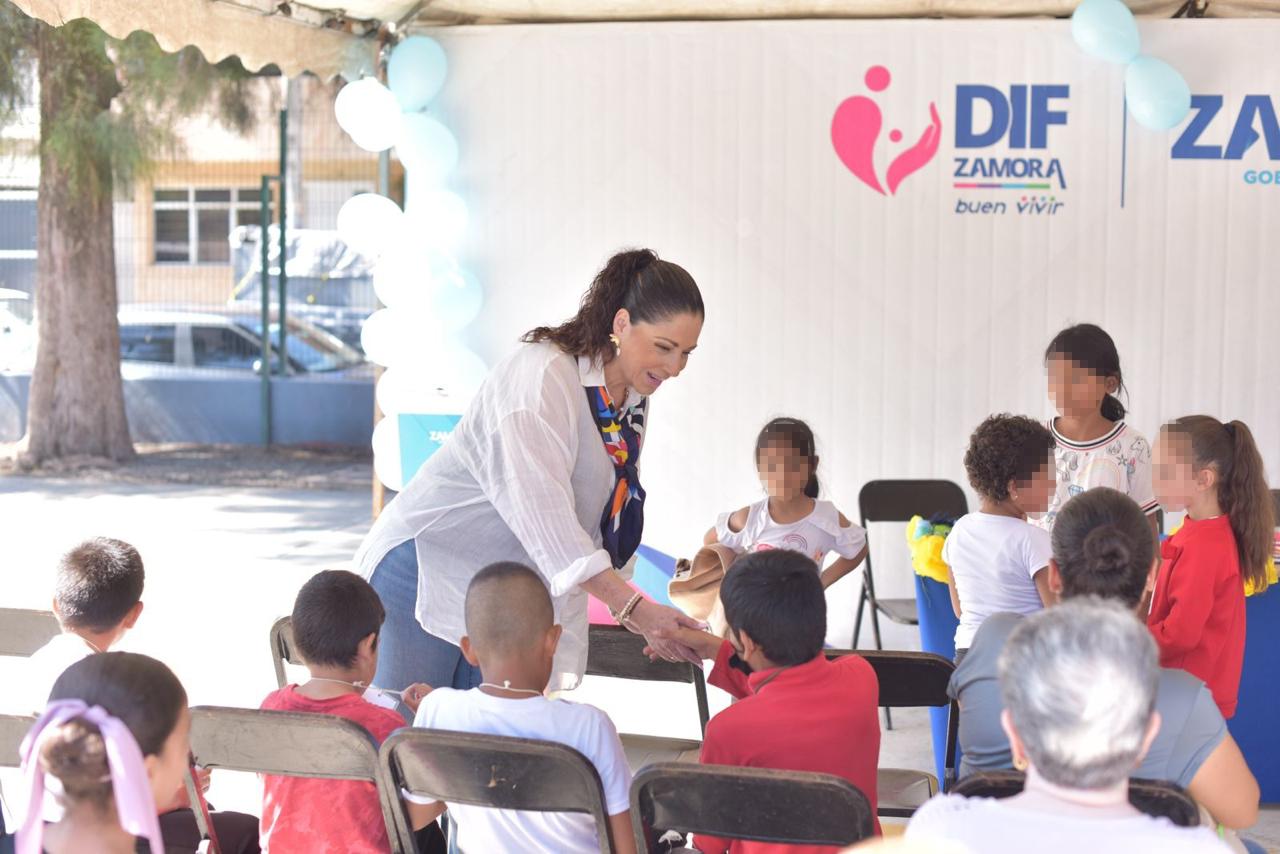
(98, 582)
(776, 597)
(1091, 348)
(334, 611)
(1242, 486)
(507, 607)
(140, 691)
(1103, 547)
(796, 434)
(1004, 448)
(649, 288)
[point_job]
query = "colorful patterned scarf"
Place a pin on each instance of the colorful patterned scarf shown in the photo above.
(622, 523)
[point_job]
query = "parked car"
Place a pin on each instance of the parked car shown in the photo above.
(157, 341)
(17, 334)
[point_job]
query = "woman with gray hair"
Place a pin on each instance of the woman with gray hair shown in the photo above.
(1079, 683)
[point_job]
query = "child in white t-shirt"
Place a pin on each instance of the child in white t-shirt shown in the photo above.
(512, 638)
(998, 560)
(791, 516)
(1093, 444)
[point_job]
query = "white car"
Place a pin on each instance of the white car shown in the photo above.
(17, 333)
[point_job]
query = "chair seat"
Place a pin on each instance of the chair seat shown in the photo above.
(899, 610)
(645, 750)
(901, 791)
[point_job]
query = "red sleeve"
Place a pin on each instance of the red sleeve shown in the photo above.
(728, 678)
(381, 722)
(1183, 603)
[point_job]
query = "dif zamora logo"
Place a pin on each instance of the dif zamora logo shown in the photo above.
(1021, 120)
(1202, 138)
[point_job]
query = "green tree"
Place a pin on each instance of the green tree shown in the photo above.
(108, 110)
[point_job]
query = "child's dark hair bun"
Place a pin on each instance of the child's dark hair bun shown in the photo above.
(1106, 549)
(77, 756)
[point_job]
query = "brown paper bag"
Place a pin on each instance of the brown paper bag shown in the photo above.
(695, 587)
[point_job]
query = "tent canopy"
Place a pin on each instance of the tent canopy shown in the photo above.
(331, 37)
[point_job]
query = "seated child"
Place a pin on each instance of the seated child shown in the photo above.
(97, 600)
(791, 516)
(999, 560)
(336, 620)
(796, 710)
(115, 736)
(512, 637)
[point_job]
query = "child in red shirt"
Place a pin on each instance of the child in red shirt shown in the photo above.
(1212, 471)
(796, 710)
(336, 620)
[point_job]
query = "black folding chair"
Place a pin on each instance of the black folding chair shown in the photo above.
(491, 771)
(898, 501)
(282, 649)
(911, 680)
(289, 744)
(23, 632)
(752, 804)
(1153, 797)
(614, 652)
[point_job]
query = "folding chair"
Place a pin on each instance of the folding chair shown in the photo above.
(614, 652)
(289, 744)
(282, 649)
(898, 501)
(911, 680)
(24, 632)
(1153, 797)
(490, 771)
(752, 804)
(13, 729)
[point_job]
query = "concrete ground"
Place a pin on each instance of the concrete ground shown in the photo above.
(224, 562)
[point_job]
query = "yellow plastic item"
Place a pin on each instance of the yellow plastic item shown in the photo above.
(925, 542)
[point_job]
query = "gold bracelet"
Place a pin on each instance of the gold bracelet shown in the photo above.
(627, 609)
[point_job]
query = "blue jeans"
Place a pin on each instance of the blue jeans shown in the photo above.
(406, 653)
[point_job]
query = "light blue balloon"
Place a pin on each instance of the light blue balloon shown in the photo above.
(1156, 94)
(416, 71)
(458, 299)
(426, 147)
(1105, 29)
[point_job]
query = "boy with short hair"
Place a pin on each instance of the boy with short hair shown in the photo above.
(336, 620)
(512, 637)
(97, 598)
(796, 710)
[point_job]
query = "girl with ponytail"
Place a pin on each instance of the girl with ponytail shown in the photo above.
(791, 516)
(541, 470)
(1093, 444)
(1214, 472)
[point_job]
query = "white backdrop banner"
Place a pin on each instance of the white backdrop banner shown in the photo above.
(888, 219)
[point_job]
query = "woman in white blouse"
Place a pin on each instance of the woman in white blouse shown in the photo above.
(542, 470)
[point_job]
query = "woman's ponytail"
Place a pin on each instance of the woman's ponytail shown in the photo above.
(649, 288)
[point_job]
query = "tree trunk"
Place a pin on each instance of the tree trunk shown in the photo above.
(76, 405)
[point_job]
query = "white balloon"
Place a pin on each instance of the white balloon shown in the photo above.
(403, 390)
(368, 223)
(369, 113)
(386, 453)
(438, 217)
(452, 368)
(408, 274)
(386, 337)
(457, 300)
(426, 147)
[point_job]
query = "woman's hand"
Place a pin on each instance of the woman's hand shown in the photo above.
(705, 644)
(659, 624)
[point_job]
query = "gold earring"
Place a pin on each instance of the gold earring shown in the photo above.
(1020, 763)
(617, 345)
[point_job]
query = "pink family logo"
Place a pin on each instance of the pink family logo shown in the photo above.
(855, 134)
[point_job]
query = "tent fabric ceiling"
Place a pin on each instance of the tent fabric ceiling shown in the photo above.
(327, 37)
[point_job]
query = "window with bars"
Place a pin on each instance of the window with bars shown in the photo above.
(192, 225)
